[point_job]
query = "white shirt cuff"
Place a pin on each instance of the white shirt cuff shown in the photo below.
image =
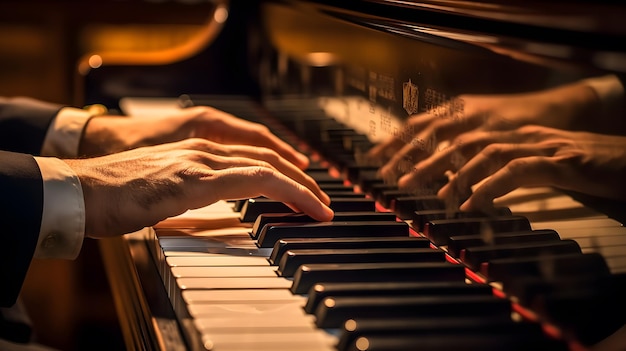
(63, 136)
(63, 219)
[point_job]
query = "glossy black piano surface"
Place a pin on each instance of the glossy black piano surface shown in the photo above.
(341, 76)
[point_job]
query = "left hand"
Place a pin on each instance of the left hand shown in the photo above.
(109, 134)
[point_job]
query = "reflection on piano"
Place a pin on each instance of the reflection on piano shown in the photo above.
(395, 270)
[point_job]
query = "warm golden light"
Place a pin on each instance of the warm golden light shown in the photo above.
(220, 15)
(95, 61)
(362, 344)
(350, 325)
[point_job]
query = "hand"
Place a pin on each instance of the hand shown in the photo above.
(560, 107)
(534, 156)
(108, 134)
(127, 191)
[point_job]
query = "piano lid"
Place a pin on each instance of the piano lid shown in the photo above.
(554, 32)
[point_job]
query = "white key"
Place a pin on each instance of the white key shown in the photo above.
(217, 260)
(233, 283)
(277, 341)
(238, 271)
(239, 296)
(279, 313)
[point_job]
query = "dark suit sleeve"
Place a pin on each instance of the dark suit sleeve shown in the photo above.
(21, 207)
(23, 126)
(24, 123)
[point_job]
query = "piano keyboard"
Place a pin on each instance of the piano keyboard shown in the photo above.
(550, 277)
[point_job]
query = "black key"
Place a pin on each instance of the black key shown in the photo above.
(474, 257)
(340, 204)
(478, 341)
(458, 243)
(355, 173)
(586, 264)
(293, 259)
(336, 187)
(439, 230)
(376, 187)
(266, 218)
(311, 274)
(324, 177)
(405, 206)
(439, 325)
(323, 290)
(334, 311)
(257, 206)
(344, 194)
(275, 231)
(283, 245)
(252, 208)
(386, 196)
(421, 217)
(590, 313)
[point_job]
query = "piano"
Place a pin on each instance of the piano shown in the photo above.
(393, 271)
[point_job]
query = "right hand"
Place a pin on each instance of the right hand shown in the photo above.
(560, 107)
(130, 190)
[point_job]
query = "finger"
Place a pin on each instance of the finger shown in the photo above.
(451, 158)
(402, 161)
(271, 141)
(245, 155)
(385, 150)
(283, 166)
(248, 182)
(489, 161)
(530, 171)
(228, 129)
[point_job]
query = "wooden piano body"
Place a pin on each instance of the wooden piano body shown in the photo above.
(367, 65)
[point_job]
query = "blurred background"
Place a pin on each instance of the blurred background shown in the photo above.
(41, 43)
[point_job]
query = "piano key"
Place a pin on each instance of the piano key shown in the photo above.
(421, 217)
(265, 340)
(336, 187)
(233, 283)
(239, 296)
(505, 269)
(473, 257)
(344, 194)
(386, 196)
(352, 204)
(334, 311)
(216, 260)
(283, 245)
(293, 259)
(390, 288)
(577, 311)
(356, 173)
(275, 231)
(375, 187)
(355, 216)
(405, 206)
(478, 341)
(439, 230)
(271, 312)
(309, 275)
(237, 271)
(254, 207)
(458, 243)
(439, 325)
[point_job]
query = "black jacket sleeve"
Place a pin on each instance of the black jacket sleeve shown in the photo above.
(23, 126)
(24, 123)
(21, 206)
